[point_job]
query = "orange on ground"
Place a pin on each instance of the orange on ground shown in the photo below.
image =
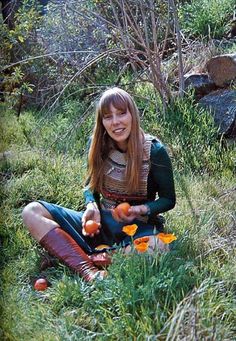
(41, 284)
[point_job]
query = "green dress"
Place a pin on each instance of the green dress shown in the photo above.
(160, 198)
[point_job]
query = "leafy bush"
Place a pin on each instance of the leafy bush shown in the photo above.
(193, 137)
(143, 296)
(206, 18)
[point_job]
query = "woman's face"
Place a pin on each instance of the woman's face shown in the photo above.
(118, 126)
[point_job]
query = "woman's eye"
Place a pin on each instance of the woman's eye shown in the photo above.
(122, 113)
(107, 117)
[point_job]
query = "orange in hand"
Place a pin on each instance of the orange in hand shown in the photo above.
(41, 284)
(91, 226)
(121, 208)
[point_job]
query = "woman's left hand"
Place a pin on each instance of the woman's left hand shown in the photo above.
(134, 212)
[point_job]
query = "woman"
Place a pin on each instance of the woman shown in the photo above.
(124, 165)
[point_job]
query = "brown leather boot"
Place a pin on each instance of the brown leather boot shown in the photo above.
(60, 244)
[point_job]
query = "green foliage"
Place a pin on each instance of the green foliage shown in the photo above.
(193, 137)
(26, 20)
(18, 79)
(206, 18)
(187, 292)
(231, 48)
(11, 132)
(143, 295)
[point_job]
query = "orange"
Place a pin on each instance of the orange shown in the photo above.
(41, 284)
(91, 226)
(115, 215)
(123, 207)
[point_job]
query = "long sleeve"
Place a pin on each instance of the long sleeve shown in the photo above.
(160, 181)
(88, 195)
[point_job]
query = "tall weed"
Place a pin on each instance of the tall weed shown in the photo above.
(206, 18)
(189, 291)
(194, 141)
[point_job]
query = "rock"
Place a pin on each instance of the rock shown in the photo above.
(222, 69)
(222, 104)
(201, 83)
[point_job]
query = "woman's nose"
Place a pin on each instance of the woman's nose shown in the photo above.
(115, 119)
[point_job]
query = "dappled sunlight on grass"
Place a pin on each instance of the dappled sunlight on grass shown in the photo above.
(163, 296)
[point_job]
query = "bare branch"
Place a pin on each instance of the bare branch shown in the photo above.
(179, 47)
(26, 60)
(77, 74)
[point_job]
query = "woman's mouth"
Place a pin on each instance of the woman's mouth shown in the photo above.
(118, 131)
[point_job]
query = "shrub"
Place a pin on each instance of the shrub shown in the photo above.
(206, 18)
(193, 137)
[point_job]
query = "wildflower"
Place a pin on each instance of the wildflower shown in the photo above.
(130, 230)
(166, 238)
(141, 240)
(102, 246)
(141, 244)
(141, 247)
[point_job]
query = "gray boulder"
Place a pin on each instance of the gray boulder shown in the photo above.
(222, 104)
(200, 82)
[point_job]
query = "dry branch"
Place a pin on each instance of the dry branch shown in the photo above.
(179, 47)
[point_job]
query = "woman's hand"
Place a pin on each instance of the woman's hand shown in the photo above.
(134, 212)
(91, 213)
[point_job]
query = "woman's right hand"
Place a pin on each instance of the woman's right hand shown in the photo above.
(91, 213)
(134, 212)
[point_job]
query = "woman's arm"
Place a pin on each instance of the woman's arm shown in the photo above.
(161, 180)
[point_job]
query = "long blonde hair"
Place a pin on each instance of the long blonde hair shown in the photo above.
(102, 144)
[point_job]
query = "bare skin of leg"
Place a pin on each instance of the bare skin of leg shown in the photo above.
(155, 244)
(38, 220)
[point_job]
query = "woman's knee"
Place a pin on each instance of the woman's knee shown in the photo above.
(30, 211)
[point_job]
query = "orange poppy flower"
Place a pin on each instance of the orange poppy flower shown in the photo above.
(130, 230)
(141, 240)
(102, 246)
(141, 247)
(166, 238)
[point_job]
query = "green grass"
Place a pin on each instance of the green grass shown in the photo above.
(188, 293)
(206, 18)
